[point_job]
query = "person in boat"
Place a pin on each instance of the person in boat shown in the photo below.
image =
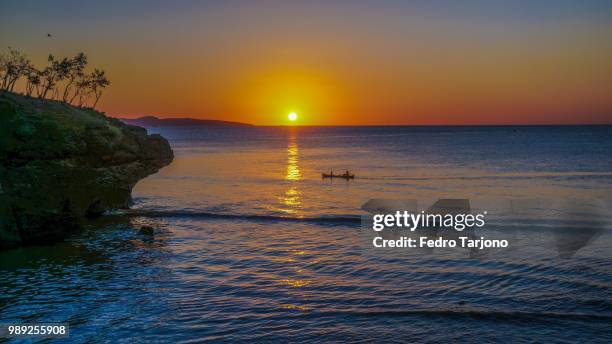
(346, 175)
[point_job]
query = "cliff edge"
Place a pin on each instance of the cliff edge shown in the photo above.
(61, 164)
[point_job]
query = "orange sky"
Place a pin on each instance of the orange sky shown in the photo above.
(335, 63)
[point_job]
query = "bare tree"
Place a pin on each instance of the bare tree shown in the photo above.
(75, 71)
(48, 77)
(98, 82)
(46, 83)
(81, 90)
(3, 69)
(14, 65)
(63, 69)
(32, 81)
(55, 72)
(84, 92)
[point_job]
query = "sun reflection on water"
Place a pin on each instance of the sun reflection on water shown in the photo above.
(292, 199)
(293, 170)
(295, 283)
(291, 203)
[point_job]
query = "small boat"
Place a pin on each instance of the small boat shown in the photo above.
(345, 175)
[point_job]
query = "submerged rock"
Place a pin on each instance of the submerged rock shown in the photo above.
(61, 164)
(147, 230)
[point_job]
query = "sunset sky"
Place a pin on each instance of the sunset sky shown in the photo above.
(335, 62)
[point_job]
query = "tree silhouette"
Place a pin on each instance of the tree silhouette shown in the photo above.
(46, 83)
(33, 80)
(74, 72)
(49, 76)
(97, 83)
(13, 66)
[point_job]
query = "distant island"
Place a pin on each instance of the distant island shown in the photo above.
(152, 121)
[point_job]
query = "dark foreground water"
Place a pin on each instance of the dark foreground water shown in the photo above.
(251, 245)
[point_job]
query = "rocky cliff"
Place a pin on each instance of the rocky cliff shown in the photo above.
(60, 165)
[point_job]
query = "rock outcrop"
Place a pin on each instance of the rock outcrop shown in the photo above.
(61, 164)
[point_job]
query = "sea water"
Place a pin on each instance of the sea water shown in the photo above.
(252, 244)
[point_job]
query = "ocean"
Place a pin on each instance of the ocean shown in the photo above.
(251, 244)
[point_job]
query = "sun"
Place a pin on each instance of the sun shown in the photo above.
(292, 116)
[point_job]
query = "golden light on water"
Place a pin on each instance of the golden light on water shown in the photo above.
(291, 204)
(295, 283)
(293, 170)
(296, 307)
(291, 200)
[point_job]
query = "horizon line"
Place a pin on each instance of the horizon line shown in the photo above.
(377, 125)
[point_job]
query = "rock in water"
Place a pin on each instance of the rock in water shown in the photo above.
(60, 164)
(147, 230)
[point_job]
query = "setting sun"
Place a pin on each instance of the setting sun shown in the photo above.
(292, 116)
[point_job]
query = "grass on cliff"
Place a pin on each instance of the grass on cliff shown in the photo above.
(42, 127)
(63, 113)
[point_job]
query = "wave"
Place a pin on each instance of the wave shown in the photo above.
(559, 175)
(470, 313)
(340, 220)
